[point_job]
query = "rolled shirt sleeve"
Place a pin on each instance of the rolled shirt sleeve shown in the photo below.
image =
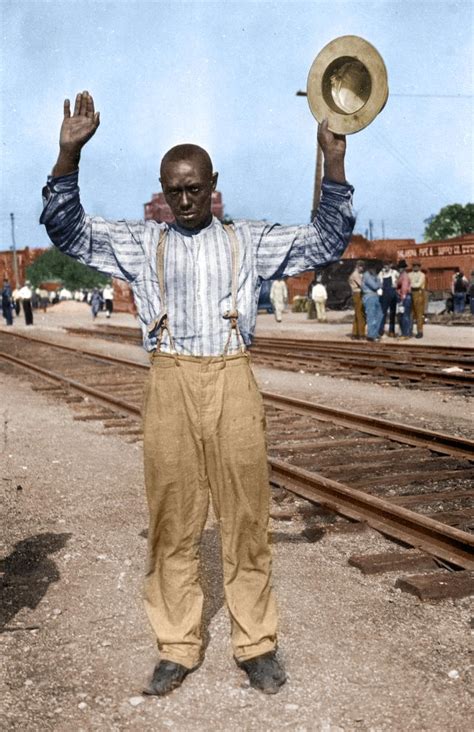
(115, 248)
(285, 251)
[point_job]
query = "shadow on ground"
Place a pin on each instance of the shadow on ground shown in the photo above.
(27, 573)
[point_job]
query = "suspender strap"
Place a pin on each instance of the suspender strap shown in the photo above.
(160, 271)
(233, 314)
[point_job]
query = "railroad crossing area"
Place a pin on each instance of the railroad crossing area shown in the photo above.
(371, 456)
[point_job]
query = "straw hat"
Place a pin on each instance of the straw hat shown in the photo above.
(347, 84)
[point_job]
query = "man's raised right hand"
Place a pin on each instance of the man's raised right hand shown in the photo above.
(76, 130)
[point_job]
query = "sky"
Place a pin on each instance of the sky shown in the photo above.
(224, 75)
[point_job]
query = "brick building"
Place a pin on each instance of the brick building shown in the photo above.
(24, 258)
(438, 260)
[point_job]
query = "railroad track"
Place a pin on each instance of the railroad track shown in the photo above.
(411, 484)
(425, 367)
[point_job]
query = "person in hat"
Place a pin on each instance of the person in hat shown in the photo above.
(459, 288)
(418, 283)
(404, 300)
(388, 299)
(195, 283)
(355, 282)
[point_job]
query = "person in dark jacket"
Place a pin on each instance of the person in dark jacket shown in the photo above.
(388, 298)
(7, 302)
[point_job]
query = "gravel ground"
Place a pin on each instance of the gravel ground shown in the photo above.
(77, 652)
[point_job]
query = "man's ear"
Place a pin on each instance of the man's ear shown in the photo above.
(214, 180)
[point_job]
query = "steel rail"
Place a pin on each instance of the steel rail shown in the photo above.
(388, 368)
(83, 351)
(438, 539)
(443, 541)
(462, 351)
(120, 404)
(437, 441)
(367, 351)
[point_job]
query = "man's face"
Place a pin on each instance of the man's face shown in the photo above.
(188, 187)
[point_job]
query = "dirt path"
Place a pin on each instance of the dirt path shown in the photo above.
(77, 651)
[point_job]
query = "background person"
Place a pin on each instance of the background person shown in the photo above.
(95, 302)
(459, 289)
(388, 298)
(404, 300)
(7, 302)
(319, 295)
(418, 282)
(471, 293)
(371, 292)
(25, 294)
(278, 298)
(108, 296)
(16, 301)
(194, 327)
(355, 282)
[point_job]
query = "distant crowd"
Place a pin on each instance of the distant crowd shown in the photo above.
(29, 299)
(400, 295)
(389, 302)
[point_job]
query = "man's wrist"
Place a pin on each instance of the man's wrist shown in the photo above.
(67, 162)
(334, 168)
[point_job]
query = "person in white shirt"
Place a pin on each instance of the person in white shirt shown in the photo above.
(108, 296)
(65, 294)
(319, 295)
(278, 298)
(25, 294)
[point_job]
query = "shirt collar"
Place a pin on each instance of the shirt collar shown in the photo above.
(194, 232)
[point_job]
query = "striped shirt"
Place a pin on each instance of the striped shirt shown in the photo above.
(197, 265)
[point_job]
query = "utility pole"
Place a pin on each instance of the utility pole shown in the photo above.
(318, 174)
(383, 229)
(15, 261)
(371, 229)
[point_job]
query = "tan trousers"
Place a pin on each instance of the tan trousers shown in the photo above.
(204, 432)
(320, 310)
(358, 325)
(418, 308)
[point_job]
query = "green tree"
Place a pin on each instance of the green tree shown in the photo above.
(54, 265)
(453, 220)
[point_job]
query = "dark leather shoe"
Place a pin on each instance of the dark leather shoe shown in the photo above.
(264, 672)
(166, 677)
